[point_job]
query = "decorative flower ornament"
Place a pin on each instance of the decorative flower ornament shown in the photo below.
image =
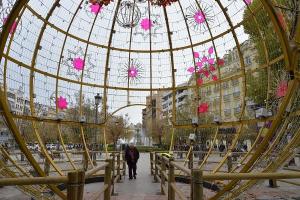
(199, 17)
(101, 2)
(95, 8)
(214, 78)
(133, 72)
(203, 108)
(146, 24)
(205, 66)
(62, 103)
(221, 62)
(211, 50)
(282, 89)
(191, 69)
(196, 55)
(78, 64)
(199, 81)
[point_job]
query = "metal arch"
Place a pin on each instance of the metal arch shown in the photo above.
(151, 73)
(244, 82)
(296, 139)
(172, 68)
(7, 52)
(284, 155)
(80, 96)
(192, 49)
(283, 38)
(269, 85)
(292, 86)
(31, 90)
(126, 50)
(57, 74)
(105, 88)
(279, 58)
(216, 53)
(220, 85)
(196, 85)
(130, 105)
(3, 103)
(129, 52)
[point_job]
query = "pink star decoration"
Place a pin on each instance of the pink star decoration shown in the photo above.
(221, 62)
(199, 17)
(62, 103)
(214, 78)
(13, 26)
(210, 50)
(95, 8)
(282, 89)
(203, 108)
(78, 64)
(146, 24)
(132, 72)
(196, 55)
(191, 69)
(199, 81)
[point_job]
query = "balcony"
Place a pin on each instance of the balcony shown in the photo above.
(217, 89)
(226, 97)
(237, 110)
(227, 112)
(236, 95)
(225, 85)
(235, 82)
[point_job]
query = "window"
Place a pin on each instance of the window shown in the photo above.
(216, 88)
(235, 82)
(225, 85)
(227, 112)
(226, 97)
(237, 110)
(248, 60)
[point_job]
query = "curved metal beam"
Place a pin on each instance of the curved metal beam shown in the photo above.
(3, 103)
(130, 105)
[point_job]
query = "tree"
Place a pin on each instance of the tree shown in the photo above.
(115, 127)
(264, 37)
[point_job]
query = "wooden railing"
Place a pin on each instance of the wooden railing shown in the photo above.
(113, 168)
(163, 169)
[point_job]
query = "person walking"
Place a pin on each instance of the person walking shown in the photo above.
(131, 156)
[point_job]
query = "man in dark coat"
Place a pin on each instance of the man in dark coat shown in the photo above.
(132, 155)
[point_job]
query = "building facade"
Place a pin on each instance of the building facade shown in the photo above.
(231, 94)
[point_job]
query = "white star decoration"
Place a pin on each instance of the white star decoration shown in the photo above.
(88, 65)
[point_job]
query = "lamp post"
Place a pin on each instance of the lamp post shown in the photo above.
(98, 99)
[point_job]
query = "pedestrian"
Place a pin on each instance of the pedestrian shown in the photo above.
(132, 155)
(221, 148)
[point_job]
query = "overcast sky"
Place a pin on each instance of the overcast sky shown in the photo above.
(52, 43)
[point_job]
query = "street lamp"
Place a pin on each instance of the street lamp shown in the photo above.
(98, 99)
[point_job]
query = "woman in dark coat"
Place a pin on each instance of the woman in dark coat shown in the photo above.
(132, 155)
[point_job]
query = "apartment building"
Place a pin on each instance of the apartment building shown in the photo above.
(231, 95)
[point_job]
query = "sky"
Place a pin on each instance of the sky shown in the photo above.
(52, 44)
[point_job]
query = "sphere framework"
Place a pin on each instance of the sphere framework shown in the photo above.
(232, 65)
